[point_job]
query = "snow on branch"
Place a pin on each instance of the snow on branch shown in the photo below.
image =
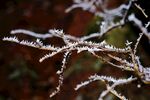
(60, 73)
(92, 6)
(30, 33)
(94, 48)
(37, 44)
(141, 9)
(107, 80)
(138, 23)
(108, 15)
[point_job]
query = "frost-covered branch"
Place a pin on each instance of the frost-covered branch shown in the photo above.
(37, 44)
(141, 9)
(61, 74)
(93, 6)
(103, 30)
(113, 91)
(138, 23)
(107, 81)
(30, 33)
(101, 50)
(50, 34)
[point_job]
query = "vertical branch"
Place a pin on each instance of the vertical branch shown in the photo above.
(61, 75)
(141, 9)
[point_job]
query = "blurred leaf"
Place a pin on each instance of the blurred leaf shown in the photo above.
(118, 36)
(2, 97)
(21, 70)
(14, 75)
(93, 26)
(97, 65)
(33, 74)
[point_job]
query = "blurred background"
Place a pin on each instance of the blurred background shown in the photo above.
(23, 77)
